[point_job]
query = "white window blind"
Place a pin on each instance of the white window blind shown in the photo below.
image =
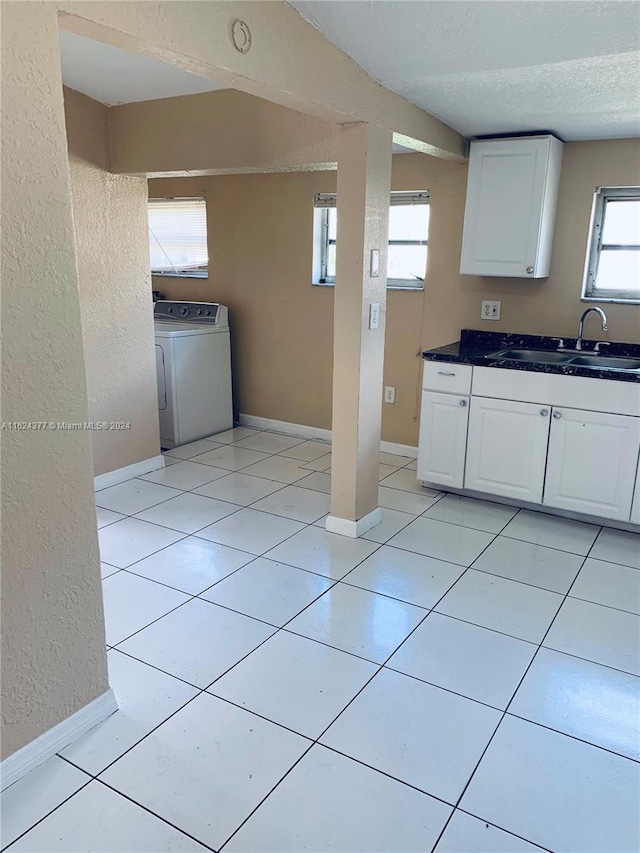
(397, 198)
(178, 237)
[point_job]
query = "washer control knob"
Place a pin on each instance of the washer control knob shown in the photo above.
(184, 311)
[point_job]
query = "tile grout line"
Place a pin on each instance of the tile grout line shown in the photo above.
(262, 556)
(191, 597)
(137, 515)
(55, 808)
(504, 714)
(384, 664)
(359, 692)
(199, 693)
(205, 690)
(573, 737)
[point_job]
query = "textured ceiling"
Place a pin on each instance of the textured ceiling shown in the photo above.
(499, 66)
(114, 76)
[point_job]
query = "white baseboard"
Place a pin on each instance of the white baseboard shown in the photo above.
(346, 527)
(319, 434)
(399, 449)
(282, 426)
(43, 747)
(120, 475)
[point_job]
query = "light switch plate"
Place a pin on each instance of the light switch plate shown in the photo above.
(374, 315)
(375, 263)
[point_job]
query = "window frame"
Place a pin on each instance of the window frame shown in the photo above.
(590, 291)
(182, 272)
(323, 202)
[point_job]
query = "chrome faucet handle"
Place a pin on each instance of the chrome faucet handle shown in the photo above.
(560, 342)
(596, 348)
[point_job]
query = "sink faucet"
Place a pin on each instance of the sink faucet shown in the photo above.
(603, 318)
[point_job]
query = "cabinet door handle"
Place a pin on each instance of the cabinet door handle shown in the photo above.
(529, 270)
(557, 415)
(544, 412)
(463, 403)
(444, 373)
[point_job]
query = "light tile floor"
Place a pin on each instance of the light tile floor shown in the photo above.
(462, 680)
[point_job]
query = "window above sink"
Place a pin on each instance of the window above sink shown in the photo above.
(612, 272)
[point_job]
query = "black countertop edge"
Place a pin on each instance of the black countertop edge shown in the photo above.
(475, 347)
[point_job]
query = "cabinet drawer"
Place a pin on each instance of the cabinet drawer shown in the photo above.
(444, 376)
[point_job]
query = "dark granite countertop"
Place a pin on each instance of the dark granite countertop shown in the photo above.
(475, 347)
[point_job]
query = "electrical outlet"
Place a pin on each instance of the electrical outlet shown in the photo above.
(389, 394)
(490, 311)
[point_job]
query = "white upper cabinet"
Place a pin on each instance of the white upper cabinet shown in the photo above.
(510, 210)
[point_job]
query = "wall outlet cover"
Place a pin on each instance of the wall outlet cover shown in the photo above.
(490, 310)
(389, 394)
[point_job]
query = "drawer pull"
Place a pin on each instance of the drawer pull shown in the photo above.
(544, 412)
(463, 403)
(444, 373)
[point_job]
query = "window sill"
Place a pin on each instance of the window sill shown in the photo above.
(201, 275)
(617, 299)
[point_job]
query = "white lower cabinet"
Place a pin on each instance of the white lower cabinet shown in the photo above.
(533, 437)
(443, 438)
(635, 507)
(591, 462)
(507, 448)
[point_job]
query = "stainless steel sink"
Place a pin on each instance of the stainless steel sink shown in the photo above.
(600, 362)
(544, 356)
(593, 360)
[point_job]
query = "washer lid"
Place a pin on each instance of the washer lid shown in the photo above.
(170, 329)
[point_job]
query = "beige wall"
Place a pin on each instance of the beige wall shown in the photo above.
(260, 235)
(110, 224)
(53, 646)
(228, 130)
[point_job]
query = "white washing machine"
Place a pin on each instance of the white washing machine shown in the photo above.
(193, 359)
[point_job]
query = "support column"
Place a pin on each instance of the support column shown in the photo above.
(364, 184)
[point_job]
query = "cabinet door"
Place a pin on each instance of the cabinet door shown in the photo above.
(592, 462)
(507, 448)
(510, 206)
(443, 438)
(635, 506)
